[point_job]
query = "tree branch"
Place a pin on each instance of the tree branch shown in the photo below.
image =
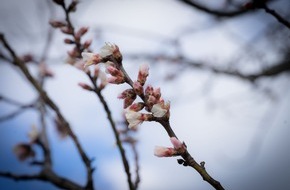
(276, 15)
(214, 12)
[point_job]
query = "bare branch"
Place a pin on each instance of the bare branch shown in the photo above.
(215, 12)
(277, 16)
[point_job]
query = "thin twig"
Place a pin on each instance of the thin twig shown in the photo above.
(116, 134)
(17, 112)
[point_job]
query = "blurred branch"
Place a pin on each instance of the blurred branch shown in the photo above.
(276, 69)
(45, 175)
(17, 112)
(215, 12)
(277, 16)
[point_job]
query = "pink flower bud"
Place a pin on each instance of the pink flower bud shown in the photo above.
(128, 93)
(66, 30)
(85, 86)
(87, 44)
(177, 144)
(137, 106)
(160, 151)
(149, 90)
(138, 88)
(111, 49)
(56, 24)
(116, 80)
(81, 32)
(68, 41)
(157, 93)
(143, 74)
(91, 58)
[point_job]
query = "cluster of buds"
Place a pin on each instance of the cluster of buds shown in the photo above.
(153, 102)
(24, 151)
(178, 149)
(109, 52)
(74, 35)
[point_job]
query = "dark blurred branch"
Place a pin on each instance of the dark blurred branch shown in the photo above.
(17, 112)
(275, 70)
(277, 16)
(215, 12)
(45, 175)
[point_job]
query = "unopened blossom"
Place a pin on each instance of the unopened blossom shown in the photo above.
(177, 144)
(111, 49)
(157, 93)
(116, 80)
(137, 106)
(91, 58)
(143, 74)
(129, 96)
(135, 118)
(87, 43)
(112, 70)
(33, 134)
(66, 30)
(160, 151)
(57, 24)
(138, 88)
(128, 93)
(158, 111)
(23, 151)
(149, 90)
(178, 149)
(81, 32)
(85, 86)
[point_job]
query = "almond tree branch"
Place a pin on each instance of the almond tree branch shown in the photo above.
(165, 123)
(97, 91)
(17, 112)
(45, 175)
(17, 62)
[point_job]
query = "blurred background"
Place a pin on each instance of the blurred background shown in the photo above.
(224, 69)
